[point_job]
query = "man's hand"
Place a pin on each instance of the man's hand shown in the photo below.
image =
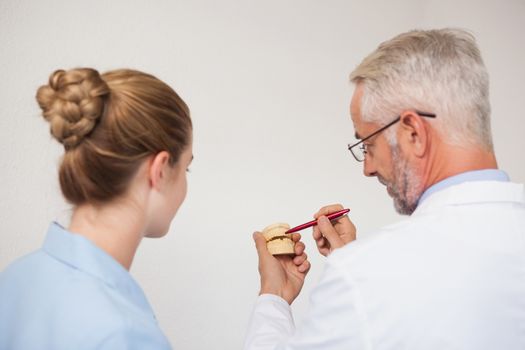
(330, 237)
(282, 275)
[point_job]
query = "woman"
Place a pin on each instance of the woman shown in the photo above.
(128, 143)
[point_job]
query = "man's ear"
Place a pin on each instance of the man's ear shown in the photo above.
(414, 133)
(158, 169)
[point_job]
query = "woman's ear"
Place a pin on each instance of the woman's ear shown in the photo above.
(415, 134)
(158, 169)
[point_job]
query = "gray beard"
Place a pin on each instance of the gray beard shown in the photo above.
(405, 186)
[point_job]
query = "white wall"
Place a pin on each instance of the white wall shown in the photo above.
(267, 83)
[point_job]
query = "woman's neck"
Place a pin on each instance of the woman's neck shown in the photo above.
(115, 228)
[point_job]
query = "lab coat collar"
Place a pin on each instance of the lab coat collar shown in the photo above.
(474, 192)
(468, 176)
(80, 253)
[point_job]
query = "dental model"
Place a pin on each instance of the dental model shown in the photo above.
(277, 241)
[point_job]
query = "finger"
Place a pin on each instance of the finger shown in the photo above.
(321, 242)
(324, 251)
(318, 236)
(329, 232)
(296, 237)
(329, 209)
(260, 245)
(323, 247)
(298, 260)
(299, 248)
(343, 220)
(316, 233)
(304, 267)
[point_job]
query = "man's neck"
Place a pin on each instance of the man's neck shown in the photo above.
(454, 160)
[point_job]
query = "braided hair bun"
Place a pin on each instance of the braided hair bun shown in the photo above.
(110, 124)
(72, 103)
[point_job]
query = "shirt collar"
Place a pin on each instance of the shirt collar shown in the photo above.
(82, 254)
(475, 175)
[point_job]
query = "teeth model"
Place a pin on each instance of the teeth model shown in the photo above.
(277, 241)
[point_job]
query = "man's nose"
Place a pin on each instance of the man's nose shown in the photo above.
(368, 167)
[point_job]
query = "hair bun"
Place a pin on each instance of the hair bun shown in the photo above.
(72, 103)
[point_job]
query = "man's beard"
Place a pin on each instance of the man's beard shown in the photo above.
(405, 185)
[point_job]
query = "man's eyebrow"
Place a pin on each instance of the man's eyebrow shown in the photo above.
(357, 136)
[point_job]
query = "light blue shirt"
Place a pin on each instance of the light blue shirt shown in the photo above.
(69, 295)
(474, 175)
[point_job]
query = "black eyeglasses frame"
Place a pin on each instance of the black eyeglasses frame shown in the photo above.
(398, 118)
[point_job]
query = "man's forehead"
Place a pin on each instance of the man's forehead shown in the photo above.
(361, 128)
(355, 104)
(355, 109)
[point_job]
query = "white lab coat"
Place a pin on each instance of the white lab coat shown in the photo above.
(451, 276)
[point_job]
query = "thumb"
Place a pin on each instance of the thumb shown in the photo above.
(328, 231)
(260, 245)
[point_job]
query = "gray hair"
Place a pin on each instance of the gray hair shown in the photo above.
(435, 71)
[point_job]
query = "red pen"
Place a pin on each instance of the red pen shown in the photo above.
(332, 216)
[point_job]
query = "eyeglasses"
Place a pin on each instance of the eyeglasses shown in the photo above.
(359, 150)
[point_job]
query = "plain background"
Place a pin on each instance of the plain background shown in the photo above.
(267, 84)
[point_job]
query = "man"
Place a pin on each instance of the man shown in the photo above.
(450, 276)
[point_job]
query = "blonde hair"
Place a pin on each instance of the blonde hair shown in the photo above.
(435, 71)
(108, 124)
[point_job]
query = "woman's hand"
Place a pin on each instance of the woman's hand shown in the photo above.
(282, 275)
(332, 235)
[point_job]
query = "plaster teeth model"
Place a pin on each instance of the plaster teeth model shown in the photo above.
(277, 241)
